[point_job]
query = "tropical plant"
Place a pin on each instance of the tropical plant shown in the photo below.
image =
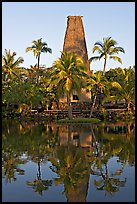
(97, 84)
(106, 49)
(68, 74)
(38, 47)
(125, 89)
(10, 65)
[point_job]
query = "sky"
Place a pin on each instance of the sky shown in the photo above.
(23, 22)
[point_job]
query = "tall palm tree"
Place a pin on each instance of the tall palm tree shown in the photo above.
(106, 49)
(68, 74)
(97, 84)
(9, 64)
(38, 47)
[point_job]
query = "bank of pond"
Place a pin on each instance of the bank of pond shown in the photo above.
(78, 115)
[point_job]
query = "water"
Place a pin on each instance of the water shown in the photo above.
(68, 163)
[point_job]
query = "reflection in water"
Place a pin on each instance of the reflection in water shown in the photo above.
(10, 163)
(73, 171)
(76, 153)
(99, 167)
(38, 184)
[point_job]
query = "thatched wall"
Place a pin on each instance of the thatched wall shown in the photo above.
(75, 39)
(75, 42)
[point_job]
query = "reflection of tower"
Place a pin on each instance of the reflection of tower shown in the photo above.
(84, 143)
(75, 42)
(80, 194)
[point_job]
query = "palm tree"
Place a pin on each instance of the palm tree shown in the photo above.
(38, 47)
(126, 87)
(96, 83)
(9, 64)
(106, 49)
(68, 74)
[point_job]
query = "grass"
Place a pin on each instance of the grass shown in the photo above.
(79, 120)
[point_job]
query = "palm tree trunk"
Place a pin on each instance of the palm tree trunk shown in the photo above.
(98, 153)
(69, 107)
(94, 137)
(92, 108)
(39, 171)
(69, 133)
(128, 106)
(38, 60)
(104, 65)
(38, 69)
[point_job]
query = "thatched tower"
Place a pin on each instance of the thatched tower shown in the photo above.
(75, 42)
(75, 39)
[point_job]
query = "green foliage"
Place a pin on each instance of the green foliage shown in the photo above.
(39, 47)
(79, 120)
(70, 165)
(106, 49)
(10, 65)
(124, 85)
(67, 74)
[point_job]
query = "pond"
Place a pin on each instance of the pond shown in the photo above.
(44, 162)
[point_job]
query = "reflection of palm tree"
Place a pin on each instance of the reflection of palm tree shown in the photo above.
(72, 168)
(114, 144)
(10, 165)
(107, 183)
(38, 150)
(128, 150)
(38, 184)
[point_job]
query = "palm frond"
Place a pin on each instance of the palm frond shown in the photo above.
(46, 49)
(99, 43)
(116, 85)
(94, 58)
(116, 58)
(97, 48)
(110, 98)
(120, 49)
(45, 44)
(103, 54)
(68, 85)
(18, 61)
(29, 49)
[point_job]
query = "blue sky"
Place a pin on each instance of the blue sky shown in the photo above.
(23, 22)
